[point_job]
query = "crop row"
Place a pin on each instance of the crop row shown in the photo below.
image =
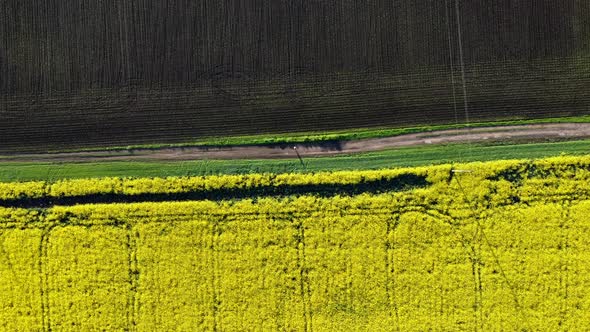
(473, 189)
(507, 172)
(175, 185)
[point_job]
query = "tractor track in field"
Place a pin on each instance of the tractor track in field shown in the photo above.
(528, 133)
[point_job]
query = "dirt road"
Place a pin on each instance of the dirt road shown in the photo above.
(538, 132)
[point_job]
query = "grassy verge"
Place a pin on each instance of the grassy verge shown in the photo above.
(347, 135)
(415, 156)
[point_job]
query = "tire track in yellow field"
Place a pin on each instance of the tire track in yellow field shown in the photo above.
(44, 276)
(133, 301)
(390, 283)
(304, 287)
(216, 275)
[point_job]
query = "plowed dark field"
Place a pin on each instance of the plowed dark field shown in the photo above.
(146, 71)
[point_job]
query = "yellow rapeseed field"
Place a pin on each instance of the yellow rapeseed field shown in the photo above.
(499, 246)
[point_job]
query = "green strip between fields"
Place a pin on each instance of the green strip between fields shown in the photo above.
(343, 135)
(405, 157)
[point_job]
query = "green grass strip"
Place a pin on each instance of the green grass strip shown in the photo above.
(404, 157)
(343, 135)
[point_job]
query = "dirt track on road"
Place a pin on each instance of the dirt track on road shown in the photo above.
(537, 132)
